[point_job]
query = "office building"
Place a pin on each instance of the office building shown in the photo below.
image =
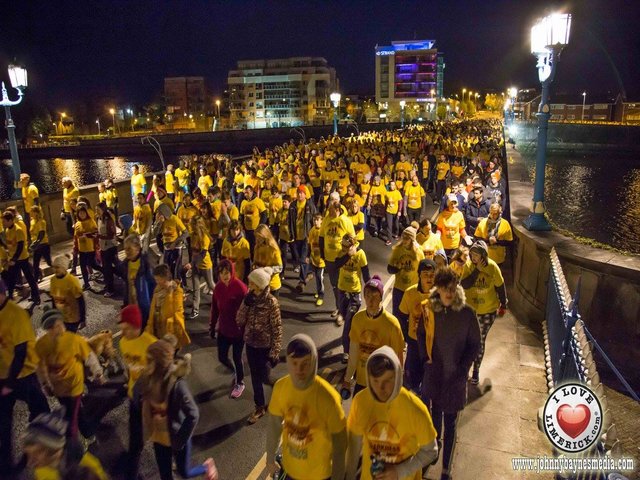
(284, 92)
(185, 96)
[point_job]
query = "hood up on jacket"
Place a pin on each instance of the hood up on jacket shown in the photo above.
(302, 384)
(458, 302)
(386, 351)
(226, 264)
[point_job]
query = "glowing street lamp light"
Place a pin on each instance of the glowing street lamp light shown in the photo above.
(584, 100)
(98, 123)
(18, 78)
(112, 111)
(218, 107)
(463, 92)
(548, 37)
(403, 103)
(335, 99)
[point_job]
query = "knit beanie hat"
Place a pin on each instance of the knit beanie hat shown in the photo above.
(49, 317)
(164, 210)
(48, 430)
(261, 277)
(162, 353)
(61, 261)
(131, 315)
(410, 232)
(480, 247)
(376, 282)
(426, 264)
(451, 198)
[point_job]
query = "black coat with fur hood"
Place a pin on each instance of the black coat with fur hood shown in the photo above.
(456, 344)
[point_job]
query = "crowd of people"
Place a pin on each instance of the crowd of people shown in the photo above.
(220, 231)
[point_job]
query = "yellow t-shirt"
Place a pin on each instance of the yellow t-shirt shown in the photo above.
(411, 305)
(497, 253)
(134, 354)
(377, 193)
(36, 227)
(138, 182)
(16, 329)
(282, 220)
(332, 230)
(265, 256)
(393, 201)
(238, 179)
(172, 228)
(457, 170)
(69, 194)
(430, 245)
(251, 210)
(182, 174)
(204, 184)
(88, 461)
(167, 201)
(482, 296)
(12, 237)
(404, 167)
(141, 218)
(65, 362)
(450, 224)
(349, 275)
(360, 170)
(29, 194)
(373, 333)
(169, 181)
(185, 214)
(237, 252)
(407, 261)
(311, 417)
(199, 244)
(395, 431)
(314, 248)
(414, 195)
(442, 168)
(275, 206)
(81, 228)
(132, 272)
(65, 293)
(358, 219)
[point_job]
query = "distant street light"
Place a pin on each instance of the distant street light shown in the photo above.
(335, 99)
(513, 95)
(548, 37)
(403, 103)
(18, 77)
(112, 111)
(98, 123)
(584, 99)
(463, 91)
(218, 107)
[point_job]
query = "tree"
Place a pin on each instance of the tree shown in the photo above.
(41, 125)
(441, 112)
(493, 102)
(370, 110)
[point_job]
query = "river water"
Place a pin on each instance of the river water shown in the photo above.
(596, 196)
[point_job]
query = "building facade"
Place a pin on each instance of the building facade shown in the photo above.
(185, 96)
(284, 92)
(412, 71)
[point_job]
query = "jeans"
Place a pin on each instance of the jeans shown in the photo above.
(41, 251)
(68, 222)
(258, 358)
(197, 276)
(88, 259)
(173, 260)
(14, 274)
(333, 273)
(414, 214)
(164, 455)
(449, 441)
(110, 262)
(284, 248)
(349, 305)
(392, 225)
(318, 274)
(29, 391)
(250, 235)
(301, 249)
(236, 344)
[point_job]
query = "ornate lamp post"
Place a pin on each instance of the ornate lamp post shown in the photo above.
(18, 77)
(335, 99)
(548, 37)
(403, 103)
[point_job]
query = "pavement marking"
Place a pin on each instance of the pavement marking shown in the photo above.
(258, 469)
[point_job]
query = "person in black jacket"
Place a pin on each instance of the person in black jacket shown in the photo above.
(301, 212)
(448, 341)
(477, 209)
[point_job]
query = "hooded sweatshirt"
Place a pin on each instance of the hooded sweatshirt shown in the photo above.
(225, 304)
(308, 415)
(397, 431)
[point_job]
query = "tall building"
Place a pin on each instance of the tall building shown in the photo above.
(412, 71)
(283, 92)
(185, 96)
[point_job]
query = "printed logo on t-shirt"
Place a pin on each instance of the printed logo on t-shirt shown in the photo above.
(297, 429)
(369, 342)
(384, 442)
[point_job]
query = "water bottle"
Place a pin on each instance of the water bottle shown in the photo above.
(377, 465)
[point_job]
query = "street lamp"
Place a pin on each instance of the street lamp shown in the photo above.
(335, 99)
(584, 99)
(513, 95)
(548, 37)
(218, 107)
(18, 77)
(463, 91)
(403, 103)
(98, 123)
(112, 111)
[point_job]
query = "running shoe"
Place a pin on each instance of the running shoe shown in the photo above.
(238, 388)
(335, 313)
(319, 302)
(257, 415)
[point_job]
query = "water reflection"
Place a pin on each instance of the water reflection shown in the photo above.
(627, 213)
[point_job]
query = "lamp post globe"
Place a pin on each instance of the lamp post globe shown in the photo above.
(403, 104)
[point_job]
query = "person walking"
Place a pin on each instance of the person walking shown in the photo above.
(137, 273)
(267, 254)
(69, 192)
(108, 245)
(39, 241)
(259, 316)
(228, 295)
(450, 223)
(84, 239)
(496, 233)
(142, 221)
(67, 295)
(200, 265)
(301, 212)
(173, 233)
(18, 252)
(30, 198)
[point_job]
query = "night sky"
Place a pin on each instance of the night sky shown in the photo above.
(124, 49)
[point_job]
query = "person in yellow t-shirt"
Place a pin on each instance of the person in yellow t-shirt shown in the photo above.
(403, 263)
(316, 260)
(18, 362)
(170, 182)
(69, 193)
(252, 214)
(496, 232)
(414, 195)
(30, 196)
(15, 238)
(138, 182)
(376, 204)
(85, 231)
(173, 233)
(200, 264)
(236, 249)
(442, 172)
(267, 254)
(133, 344)
(39, 241)
(486, 294)
(66, 292)
(451, 225)
(352, 263)
(356, 216)
(306, 414)
(63, 356)
(371, 328)
(204, 181)
(142, 221)
(428, 241)
(388, 425)
(183, 176)
(393, 200)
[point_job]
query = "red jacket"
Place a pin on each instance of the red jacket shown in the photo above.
(225, 303)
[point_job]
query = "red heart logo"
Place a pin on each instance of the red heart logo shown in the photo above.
(573, 420)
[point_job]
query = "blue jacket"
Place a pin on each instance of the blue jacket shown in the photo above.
(144, 284)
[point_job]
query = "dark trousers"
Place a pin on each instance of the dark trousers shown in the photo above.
(173, 260)
(414, 370)
(250, 235)
(28, 390)
(41, 251)
(301, 249)
(333, 273)
(349, 305)
(396, 299)
(376, 222)
(441, 187)
(73, 415)
(485, 321)
(392, 225)
(449, 441)
(68, 222)
(109, 264)
(258, 358)
(236, 344)
(88, 260)
(318, 274)
(27, 222)
(164, 455)
(414, 214)
(14, 274)
(284, 248)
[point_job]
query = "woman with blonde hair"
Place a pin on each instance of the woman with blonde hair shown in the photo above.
(267, 254)
(166, 314)
(201, 265)
(39, 240)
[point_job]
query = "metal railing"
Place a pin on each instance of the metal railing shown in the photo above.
(569, 357)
